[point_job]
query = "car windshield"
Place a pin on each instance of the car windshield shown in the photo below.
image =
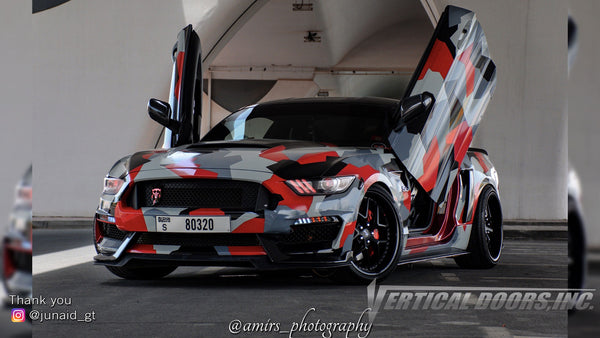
(332, 124)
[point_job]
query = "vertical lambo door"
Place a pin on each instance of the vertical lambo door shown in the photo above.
(183, 122)
(454, 80)
(430, 135)
(440, 112)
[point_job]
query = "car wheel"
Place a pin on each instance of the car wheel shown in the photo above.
(486, 240)
(576, 249)
(131, 271)
(376, 243)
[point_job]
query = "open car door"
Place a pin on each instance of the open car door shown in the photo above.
(457, 77)
(185, 98)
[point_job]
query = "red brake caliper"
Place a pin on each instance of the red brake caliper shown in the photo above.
(375, 233)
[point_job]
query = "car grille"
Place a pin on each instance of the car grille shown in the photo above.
(111, 231)
(307, 237)
(198, 240)
(312, 233)
(201, 193)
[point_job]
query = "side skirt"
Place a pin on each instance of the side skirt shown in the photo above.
(424, 256)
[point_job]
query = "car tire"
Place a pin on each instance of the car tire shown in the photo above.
(487, 239)
(131, 271)
(576, 247)
(377, 240)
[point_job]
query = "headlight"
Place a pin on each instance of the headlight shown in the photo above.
(574, 185)
(23, 195)
(325, 186)
(494, 175)
(112, 185)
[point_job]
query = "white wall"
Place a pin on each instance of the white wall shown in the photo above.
(96, 65)
(15, 98)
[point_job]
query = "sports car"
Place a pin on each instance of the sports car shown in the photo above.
(349, 186)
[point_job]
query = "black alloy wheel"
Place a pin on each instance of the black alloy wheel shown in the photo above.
(487, 239)
(376, 241)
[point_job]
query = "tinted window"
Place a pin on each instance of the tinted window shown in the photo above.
(336, 124)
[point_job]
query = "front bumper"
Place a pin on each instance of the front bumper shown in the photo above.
(307, 245)
(275, 235)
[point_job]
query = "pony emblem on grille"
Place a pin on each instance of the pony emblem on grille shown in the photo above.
(156, 193)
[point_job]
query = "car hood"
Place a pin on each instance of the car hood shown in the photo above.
(286, 159)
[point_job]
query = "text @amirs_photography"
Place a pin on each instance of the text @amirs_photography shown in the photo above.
(310, 324)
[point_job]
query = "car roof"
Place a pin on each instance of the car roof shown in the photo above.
(381, 104)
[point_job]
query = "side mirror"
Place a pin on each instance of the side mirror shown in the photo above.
(413, 112)
(160, 111)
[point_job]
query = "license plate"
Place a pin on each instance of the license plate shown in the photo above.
(193, 224)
